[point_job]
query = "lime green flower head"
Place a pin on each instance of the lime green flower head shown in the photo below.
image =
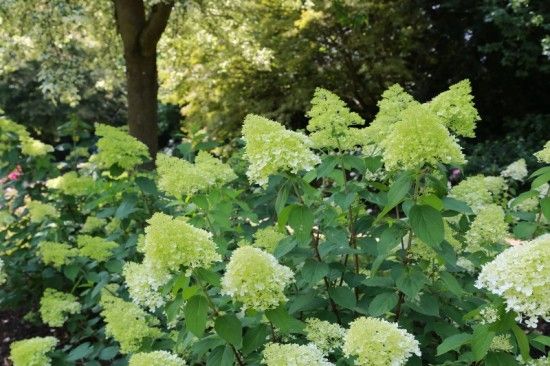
(255, 278)
(39, 211)
(92, 224)
(544, 155)
(55, 306)
(330, 122)
(327, 336)
(419, 139)
(144, 285)
(72, 184)
(116, 147)
(394, 101)
(455, 109)
(268, 238)
(376, 342)
(3, 274)
(33, 147)
(475, 191)
(95, 248)
(156, 358)
(293, 354)
(171, 243)
(520, 275)
(32, 351)
(215, 171)
(179, 177)
(516, 171)
(495, 185)
(489, 227)
(127, 323)
(271, 149)
(56, 254)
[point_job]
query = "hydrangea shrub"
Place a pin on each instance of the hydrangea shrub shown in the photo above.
(344, 244)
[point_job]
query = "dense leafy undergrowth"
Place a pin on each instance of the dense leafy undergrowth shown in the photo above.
(341, 245)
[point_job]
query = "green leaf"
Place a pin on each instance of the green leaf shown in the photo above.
(71, 271)
(282, 198)
(500, 359)
(327, 166)
(254, 338)
(540, 180)
(382, 303)
(343, 296)
(174, 308)
(427, 223)
(545, 207)
(230, 329)
(431, 200)
(481, 342)
(428, 305)
(313, 271)
(525, 230)
(283, 321)
(127, 207)
(221, 356)
(108, 353)
(453, 343)
(196, 311)
(389, 239)
(455, 205)
(523, 342)
(398, 191)
(410, 283)
(301, 221)
(80, 352)
(451, 283)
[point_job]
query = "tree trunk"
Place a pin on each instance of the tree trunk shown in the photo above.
(140, 34)
(141, 79)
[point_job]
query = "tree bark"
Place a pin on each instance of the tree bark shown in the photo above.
(140, 34)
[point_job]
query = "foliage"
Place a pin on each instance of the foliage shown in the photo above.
(289, 253)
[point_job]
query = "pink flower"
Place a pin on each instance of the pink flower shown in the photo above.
(16, 173)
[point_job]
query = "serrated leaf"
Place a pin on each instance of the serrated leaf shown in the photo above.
(230, 329)
(427, 223)
(196, 311)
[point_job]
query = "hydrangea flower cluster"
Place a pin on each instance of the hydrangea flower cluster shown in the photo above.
(488, 227)
(488, 315)
(455, 108)
(327, 336)
(156, 358)
(544, 155)
(92, 224)
(419, 139)
(330, 122)
(478, 191)
(268, 238)
(501, 343)
(516, 171)
(376, 342)
(179, 177)
(276, 354)
(96, 248)
(38, 211)
(72, 184)
(3, 274)
(270, 149)
(144, 284)
(393, 102)
(29, 145)
(55, 306)
(171, 243)
(32, 351)
(56, 254)
(413, 134)
(520, 275)
(255, 278)
(128, 324)
(116, 147)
